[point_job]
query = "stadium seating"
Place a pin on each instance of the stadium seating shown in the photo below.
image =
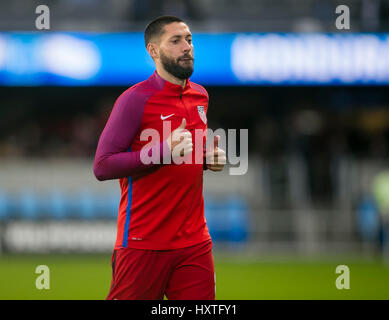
(3, 205)
(227, 216)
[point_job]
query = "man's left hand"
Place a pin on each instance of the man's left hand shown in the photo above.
(216, 157)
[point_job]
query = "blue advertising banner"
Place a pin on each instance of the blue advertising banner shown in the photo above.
(109, 59)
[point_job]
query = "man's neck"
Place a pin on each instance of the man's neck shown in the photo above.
(169, 77)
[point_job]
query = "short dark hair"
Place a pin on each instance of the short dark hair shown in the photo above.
(155, 27)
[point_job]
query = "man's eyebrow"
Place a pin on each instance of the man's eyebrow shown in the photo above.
(180, 36)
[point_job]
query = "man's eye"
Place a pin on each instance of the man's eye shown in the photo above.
(190, 41)
(175, 41)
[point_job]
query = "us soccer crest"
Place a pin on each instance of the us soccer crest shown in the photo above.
(202, 115)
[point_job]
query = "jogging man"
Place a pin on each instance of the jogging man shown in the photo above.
(163, 246)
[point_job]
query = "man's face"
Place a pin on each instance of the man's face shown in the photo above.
(176, 50)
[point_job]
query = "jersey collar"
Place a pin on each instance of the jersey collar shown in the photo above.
(169, 85)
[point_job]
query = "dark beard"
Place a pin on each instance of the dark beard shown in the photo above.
(174, 68)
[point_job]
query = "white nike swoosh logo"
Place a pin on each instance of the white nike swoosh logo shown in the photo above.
(163, 118)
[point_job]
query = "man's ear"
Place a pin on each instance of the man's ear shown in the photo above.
(152, 49)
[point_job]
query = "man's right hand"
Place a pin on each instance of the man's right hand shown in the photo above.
(180, 141)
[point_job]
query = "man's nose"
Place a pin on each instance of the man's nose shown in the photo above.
(186, 47)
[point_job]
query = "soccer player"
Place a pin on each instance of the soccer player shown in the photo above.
(163, 246)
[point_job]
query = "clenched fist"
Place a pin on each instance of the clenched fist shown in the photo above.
(216, 157)
(180, 141)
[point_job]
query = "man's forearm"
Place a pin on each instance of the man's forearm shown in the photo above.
(125, 164)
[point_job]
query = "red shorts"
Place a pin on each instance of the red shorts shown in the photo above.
(180, 274)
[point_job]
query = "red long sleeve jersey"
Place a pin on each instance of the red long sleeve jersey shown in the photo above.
(161, 206)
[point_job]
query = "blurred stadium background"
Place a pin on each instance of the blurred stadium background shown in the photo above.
(314, 99)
